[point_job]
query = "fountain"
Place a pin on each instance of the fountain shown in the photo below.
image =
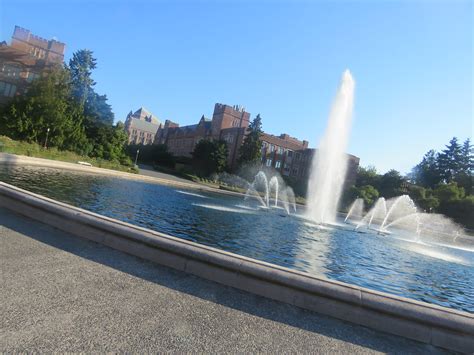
(281, 193)
(356, 211)
(376, 214)
(329, 163)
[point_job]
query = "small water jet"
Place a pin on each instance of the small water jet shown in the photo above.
(356, 211)
(281, 193)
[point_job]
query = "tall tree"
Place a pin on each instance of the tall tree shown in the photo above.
(450, 160)
(80, 66)
(465, 177)
(251, 149)
(427, 173)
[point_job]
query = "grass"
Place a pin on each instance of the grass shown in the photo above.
(8, 145)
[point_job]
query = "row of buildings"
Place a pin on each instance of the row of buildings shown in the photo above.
(26, 58)
(290, 156)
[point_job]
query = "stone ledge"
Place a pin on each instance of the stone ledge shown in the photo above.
(439, 326)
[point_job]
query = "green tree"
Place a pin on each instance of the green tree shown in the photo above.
(449, 192)
(97, 110)
(391, 184)
(450, 160)
(210, 156)
(369, 194)
(427, 173)
(251, 150)
(367, 176)
(464, 177)
(80, 66)
(45, 106)
(155, 154)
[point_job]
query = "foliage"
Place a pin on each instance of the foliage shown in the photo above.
(210, 156)
(63, 106)
(367, 192)
(449, 192)
(461, 210)
(45, 106)
(80, 66)
(367, 176)
(155, 154)
(251, 150)
(428, 173)
(390, 184)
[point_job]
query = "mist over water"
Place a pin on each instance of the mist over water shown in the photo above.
(329, 165)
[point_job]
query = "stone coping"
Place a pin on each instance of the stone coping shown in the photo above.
(432, 324)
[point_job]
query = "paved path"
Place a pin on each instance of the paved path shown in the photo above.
(62, 293)
(148, 170)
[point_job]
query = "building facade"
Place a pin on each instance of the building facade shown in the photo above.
(141, 126)
(288, 155)
(228, 123)
(25, 59)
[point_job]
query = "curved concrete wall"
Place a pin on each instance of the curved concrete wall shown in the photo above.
(421, 321)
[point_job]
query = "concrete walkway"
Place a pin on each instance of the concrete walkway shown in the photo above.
(62, 293)
(147, 170)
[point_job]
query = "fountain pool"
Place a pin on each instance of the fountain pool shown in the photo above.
(397, 263)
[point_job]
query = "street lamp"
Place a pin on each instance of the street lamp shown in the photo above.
(46, 140)
(136, 157)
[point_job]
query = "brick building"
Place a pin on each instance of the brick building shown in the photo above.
(141, 126)
(25, 59)
(228, 123)
(288, 155)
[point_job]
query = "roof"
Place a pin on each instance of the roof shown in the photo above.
(281, 142)
(145, 115)
(144, 125)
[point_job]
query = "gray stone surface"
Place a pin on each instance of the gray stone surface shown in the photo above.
(148, 170)
(63, 293)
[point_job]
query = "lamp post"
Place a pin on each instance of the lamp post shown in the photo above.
(46, 140)
(136, 157)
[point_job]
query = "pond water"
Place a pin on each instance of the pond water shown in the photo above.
(436, 274)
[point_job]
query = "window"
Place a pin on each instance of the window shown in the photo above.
(280, 150)
(268, 162)
(11, 71)
(272, 148)
(295, 171)
(278, 164)
(289, 153)
(7, 89)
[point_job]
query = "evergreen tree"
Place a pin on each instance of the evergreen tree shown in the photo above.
(465, 178)
(450, 160)
(80, 66)
(251, 149)
(427, 173)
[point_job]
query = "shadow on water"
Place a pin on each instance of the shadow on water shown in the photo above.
(211, 291)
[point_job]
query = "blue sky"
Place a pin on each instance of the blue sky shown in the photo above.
(412, 62)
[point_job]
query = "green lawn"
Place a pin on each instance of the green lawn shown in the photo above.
(11, 146)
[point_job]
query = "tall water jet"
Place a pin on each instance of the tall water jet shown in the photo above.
(329, 165)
